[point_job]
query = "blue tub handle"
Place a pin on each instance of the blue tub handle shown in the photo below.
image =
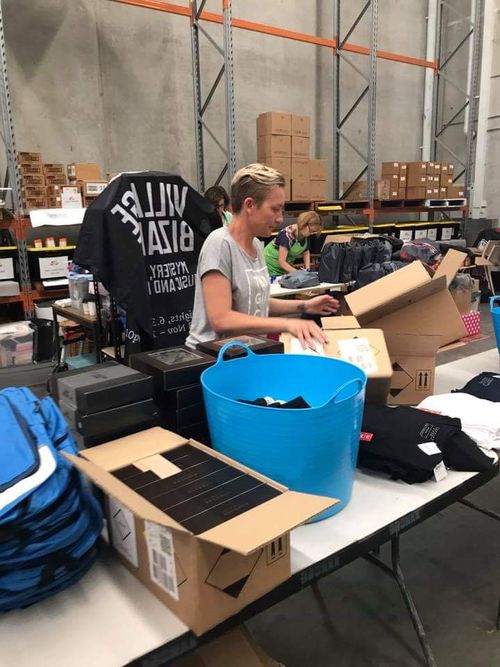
(233, 343)
(492, 301)
(339, 390)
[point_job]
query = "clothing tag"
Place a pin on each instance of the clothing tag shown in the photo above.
(429, 448)
(296, 348)
(440, 472)
(162, 558)
(358, 352)
(123, 531)
(365, 437)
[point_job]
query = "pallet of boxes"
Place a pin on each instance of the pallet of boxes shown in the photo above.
(87, 177)
(283, 142)
(33, 188)
(418, 181)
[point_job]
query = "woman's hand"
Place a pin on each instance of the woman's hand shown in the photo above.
(321, 305)
(307, 331)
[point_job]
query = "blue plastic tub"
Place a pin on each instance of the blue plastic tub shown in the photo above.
(495, 316)
(311, 450)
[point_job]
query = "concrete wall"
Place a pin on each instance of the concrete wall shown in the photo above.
(94, 80)
(492, 187)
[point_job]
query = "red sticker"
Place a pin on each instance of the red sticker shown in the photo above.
(366, 437)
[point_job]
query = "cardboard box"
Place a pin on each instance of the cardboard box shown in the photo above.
(301, 126)
(382, 189)
(300, 190)
(274, 122)
(54, 202)
(416, 169)
(281, 164)
(25, 157)
(430, 168)
(300, 169)
(31, 191)
(390, 168)
(92, 188)
(358, 193)
(447, 168)
(416, 192)
(443, 193)
(273, 145)
(455, 191)
(56, 179)
(300, 147)
(394, 193)
(403, 168)
(29, 180)
(437, 168)
(445, 180)
(27, 168)
(318, 190)
(54, 168)
(463, 300)
(204, 565)
(402, 181)
(432, 181)
(84, 171)
(416, 180)
(318, 170)
(402, 193)
(288, 191)
(35, 202)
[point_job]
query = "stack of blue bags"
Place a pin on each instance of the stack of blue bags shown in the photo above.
(49, 521)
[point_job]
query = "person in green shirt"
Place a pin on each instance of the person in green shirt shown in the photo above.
(292, 244)
(217, 196)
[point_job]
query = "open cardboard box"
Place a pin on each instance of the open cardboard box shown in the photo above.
(417, 314)
(365, 348)
(203, 533)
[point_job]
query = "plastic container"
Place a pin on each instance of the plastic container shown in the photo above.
(311, 450)
(495, 316)
(78, 284)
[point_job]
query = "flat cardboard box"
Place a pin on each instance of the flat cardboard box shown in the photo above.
(54, 202)
(463, 300)
(281, 164)
(443, 193)
(26, 168)
(402, 181)
(28, 180)
(318, 170)
(34, 191)
(35, 202)
(288, 192)
(432, 181)
(203, 564)
(445, 179)
(358, 193)
(417, 169)
(394, 193)
(413, 358)
(25, 156)
(389, 168)
(274, 122)
(300, 147)
(431, 170)
(402, 193)
(301, 126)
(410, 301)
(416, 192)
(300, 169)
(456, 191)
(84, 171)
(273, 145)
(318, 190)
(403, 168)
(56, 179)
(447, 168)
(300, 190)
(92, 188)
(382, 189)
(393, 181)
(54, 168)
(416, 180)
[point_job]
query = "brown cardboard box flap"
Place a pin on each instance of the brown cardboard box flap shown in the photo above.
(123, 451)
(450, 265)
(253, 529)
(133, 501)
(412, 345)
(340, 322)
(393, 292)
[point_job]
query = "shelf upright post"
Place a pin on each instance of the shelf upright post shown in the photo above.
(229, 89)
(372, 107)
(198, 127)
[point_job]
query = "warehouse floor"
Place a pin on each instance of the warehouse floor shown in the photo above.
(451, 563)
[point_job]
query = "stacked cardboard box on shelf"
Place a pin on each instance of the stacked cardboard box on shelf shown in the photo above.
(283, 142)
(32, 180)
(420, 180)
(87, 176)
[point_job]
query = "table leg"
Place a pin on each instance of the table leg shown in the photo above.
(397, 573)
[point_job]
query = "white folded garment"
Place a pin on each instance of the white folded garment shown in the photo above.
(480, 418)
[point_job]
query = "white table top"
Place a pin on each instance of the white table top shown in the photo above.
(109, 618)
(277, 290)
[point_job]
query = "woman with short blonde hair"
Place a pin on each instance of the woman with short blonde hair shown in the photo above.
(292, 244)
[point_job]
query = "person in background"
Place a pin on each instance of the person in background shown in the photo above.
(292, 243)
(232, 290)
(217, 196)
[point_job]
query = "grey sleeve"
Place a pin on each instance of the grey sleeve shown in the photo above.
(215, 256)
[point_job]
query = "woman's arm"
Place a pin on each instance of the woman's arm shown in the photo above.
(282, 257)
(307, 259)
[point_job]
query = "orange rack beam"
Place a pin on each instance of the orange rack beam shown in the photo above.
(181, 10)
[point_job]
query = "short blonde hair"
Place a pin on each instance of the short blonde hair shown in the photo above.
(255, 181)
(309, 219)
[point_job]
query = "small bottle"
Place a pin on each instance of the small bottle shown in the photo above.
(85, 306)
(50, 242)
(63, 242)
(38, 243)
(91, 306)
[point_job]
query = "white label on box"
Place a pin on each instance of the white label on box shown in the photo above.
(446, 233)
(406, 234)
(53, 267)
(420, 234)
(6, 268)
(95, 188)
(123, 536)
(429, 448)
(71, 200)
(162, 558)
(440, 472)
(358, 352)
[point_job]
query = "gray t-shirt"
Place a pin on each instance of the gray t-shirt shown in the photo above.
(249, 280)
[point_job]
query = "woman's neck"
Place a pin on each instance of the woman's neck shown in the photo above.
(241, 234)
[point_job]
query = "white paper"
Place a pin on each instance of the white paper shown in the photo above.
(162, 558)
(71, 200)
(6, 268)
(429, 448)
(440, 472)
(55, 282)
(53, 267)
(446, 233)
(57, 216)
(296, 348)
(357, 351)
(420, 234)
(406, 235)
(123, 536)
